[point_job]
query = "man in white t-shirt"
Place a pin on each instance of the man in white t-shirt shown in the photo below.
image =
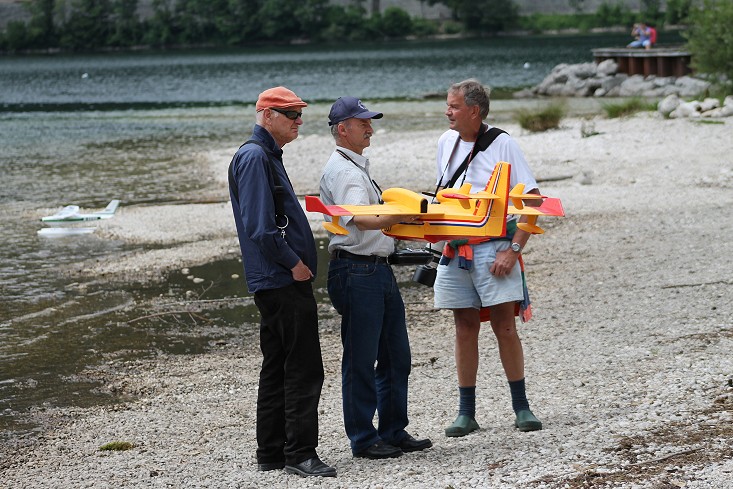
(493, 279)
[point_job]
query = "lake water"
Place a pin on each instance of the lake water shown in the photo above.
(83, 129)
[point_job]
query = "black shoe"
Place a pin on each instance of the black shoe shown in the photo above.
(380, 450)
(313, 467)
(270, 466)
(409, 444)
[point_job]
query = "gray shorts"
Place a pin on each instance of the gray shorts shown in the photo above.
(456, 288)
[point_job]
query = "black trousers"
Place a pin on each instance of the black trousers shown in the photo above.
(291, 377)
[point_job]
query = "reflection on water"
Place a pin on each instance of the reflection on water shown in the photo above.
(51, 356)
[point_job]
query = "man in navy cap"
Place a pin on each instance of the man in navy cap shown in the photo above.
(364, 291)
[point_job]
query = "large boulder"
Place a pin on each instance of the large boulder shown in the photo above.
(607, 67)
(668, 104)
(602, 80)
(686, 109)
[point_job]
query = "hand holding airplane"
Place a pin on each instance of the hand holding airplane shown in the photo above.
(457, 214)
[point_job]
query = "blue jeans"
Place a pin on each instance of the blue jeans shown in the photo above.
(372, 330)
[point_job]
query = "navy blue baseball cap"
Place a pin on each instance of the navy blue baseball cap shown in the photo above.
(347, 107)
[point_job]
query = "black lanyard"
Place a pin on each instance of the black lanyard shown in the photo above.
(483, 141)
(374, 184)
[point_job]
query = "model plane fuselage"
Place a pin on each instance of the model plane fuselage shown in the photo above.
(70, 213)
(457, 213)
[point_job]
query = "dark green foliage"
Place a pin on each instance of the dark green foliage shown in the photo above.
(424, 27)
(541, 120)
(483, 16)
(88, 25)
(677, 11)
(550, 22)
(651, 12)
(16, 36)
(613, 14)
(396, 22)
(126, 30)
(710, 39)
(99, 24)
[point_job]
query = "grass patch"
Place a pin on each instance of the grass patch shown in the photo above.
(541, 120)
(628, 107)
(117, 446)
(707, 121)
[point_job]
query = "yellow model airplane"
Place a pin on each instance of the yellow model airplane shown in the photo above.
(457, 214)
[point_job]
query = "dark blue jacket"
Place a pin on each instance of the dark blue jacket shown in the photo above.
(267, 256)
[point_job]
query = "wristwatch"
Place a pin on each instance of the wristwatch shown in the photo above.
(516, 247)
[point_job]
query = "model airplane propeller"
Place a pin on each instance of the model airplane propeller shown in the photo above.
(457, 214)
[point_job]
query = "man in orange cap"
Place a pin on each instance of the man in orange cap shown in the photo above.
(279, 258)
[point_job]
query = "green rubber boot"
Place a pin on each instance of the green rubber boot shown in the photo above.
(462, 426)
(526, 421)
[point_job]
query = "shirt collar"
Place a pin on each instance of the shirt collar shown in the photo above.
(360, 160)
(265, 137)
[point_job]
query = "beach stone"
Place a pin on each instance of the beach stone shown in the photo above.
(668, 104)
(591, 80)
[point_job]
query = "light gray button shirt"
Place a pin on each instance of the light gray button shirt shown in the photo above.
(346, 182)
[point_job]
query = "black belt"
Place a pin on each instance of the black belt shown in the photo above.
(335, 255)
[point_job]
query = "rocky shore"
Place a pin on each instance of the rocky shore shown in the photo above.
(629, 360)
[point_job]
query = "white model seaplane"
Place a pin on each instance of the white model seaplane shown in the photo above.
(65, 221)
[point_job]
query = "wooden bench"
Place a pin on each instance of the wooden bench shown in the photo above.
(661, 61)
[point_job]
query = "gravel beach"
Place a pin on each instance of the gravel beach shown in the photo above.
(629, 356)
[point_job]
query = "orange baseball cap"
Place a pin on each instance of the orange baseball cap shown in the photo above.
(279, 98)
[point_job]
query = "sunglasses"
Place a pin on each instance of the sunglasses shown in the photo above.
(290, 114)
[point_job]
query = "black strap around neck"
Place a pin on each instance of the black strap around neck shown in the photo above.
(482, 142)
(377, 188)
(278, 191)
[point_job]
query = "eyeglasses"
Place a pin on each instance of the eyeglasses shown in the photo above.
(290, 114)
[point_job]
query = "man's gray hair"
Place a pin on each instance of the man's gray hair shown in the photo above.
(335, 130)
(473, 94)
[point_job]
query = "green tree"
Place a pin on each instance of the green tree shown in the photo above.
(201, 21)
(89, 25)
(243, 26)
(15, 36)
(710, 38)
(160, 29)
(313, 17)
(614, 14)
(396, 22)
(651, 11)
(677, 11)
(278, 22)
(41, 27)
(347, 23)
(483, 16)
(126, 28)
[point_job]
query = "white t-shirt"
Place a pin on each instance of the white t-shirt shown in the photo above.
(452, 151)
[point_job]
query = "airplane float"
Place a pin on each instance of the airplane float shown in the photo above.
(64, 221)
(457, 214)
